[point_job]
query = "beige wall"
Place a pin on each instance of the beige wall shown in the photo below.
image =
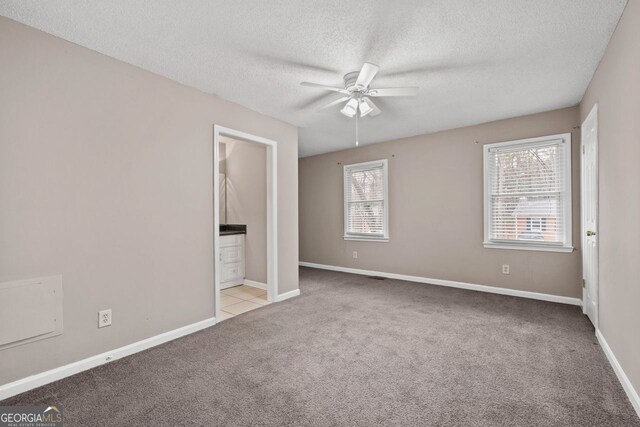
(436, 210)
(106, 178)
(616, 89)
(246, 165)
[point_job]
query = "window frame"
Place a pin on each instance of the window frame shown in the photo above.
(567, 244)
(384, 237)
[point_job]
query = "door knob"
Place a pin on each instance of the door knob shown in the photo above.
(591, 233)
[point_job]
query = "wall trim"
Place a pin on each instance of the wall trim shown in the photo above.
(450, 283)
(46, 377)
(255, 284)
(632, 394)
(263, 286)
(288, 295)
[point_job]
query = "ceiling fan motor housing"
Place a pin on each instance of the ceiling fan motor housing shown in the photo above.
(350, 82)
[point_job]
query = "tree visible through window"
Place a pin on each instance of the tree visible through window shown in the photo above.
(365, 187)
(528, 192)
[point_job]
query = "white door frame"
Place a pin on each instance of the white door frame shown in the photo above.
(593, 115)
(272, 210)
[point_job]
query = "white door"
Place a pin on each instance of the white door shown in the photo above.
(589, 205)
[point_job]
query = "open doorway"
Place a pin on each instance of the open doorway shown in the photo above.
(245, 222)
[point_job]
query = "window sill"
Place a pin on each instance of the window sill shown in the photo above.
(366, 239)
(528, 247)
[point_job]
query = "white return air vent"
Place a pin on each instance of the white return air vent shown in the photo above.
(30, 310)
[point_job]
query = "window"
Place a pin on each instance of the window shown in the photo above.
(527, 194)
(366, 210)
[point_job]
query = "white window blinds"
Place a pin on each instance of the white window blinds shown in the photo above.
(528, 192)
(365, 200)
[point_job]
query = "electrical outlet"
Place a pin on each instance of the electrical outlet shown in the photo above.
(355, 254)
(104, 318)
(505, 268)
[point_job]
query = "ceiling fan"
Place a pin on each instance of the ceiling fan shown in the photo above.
(358, 94)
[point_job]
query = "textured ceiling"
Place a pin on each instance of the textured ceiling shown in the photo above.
(474, 60)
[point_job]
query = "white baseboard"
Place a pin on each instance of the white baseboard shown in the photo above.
(37, 380)
(622, 377)
(231, 283)
(288, 295)
(263, 286)
(255, 284)
(450, 283)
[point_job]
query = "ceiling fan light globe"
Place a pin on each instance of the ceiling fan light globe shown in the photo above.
(348, 111)
(353, 104)
(351, 108)
(365, 108)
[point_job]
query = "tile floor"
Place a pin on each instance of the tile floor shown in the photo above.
(240, 299)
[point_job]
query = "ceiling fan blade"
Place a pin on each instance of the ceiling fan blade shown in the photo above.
(335, 89)
(394, 91)
(367, 73)
(336, 102)
(373, 109)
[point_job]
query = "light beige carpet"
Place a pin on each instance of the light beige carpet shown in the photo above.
(354, 351)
